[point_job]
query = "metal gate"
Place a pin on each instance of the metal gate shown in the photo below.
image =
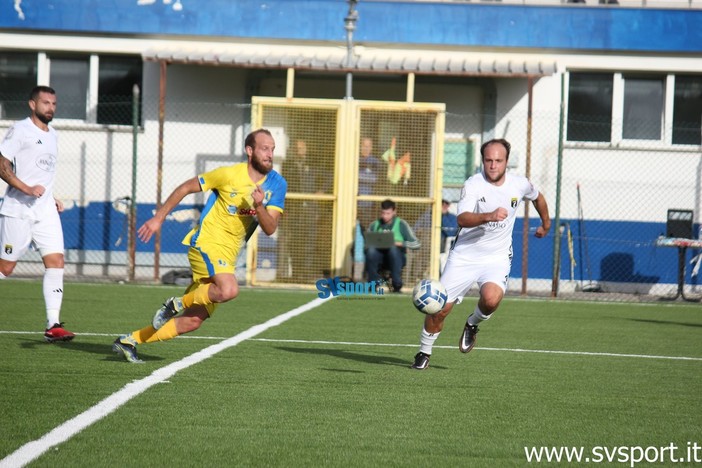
(333, 194)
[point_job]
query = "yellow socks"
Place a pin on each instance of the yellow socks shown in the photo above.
(149, 334)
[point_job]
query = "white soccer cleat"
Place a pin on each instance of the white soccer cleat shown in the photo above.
(168, 310)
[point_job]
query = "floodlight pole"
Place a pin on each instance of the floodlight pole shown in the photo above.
(350, 26)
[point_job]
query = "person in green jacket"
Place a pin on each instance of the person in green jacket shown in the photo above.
(393, 258)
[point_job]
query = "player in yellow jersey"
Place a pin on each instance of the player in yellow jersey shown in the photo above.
(243, 197)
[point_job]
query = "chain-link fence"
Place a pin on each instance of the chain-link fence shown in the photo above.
(611, 197)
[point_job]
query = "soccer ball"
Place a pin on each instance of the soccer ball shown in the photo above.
(429, 296)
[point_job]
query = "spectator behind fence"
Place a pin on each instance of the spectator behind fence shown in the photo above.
(369, 170)
(298, 239)
(449, 224)
(393, 257)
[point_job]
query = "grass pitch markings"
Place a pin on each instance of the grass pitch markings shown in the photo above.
(34, 449)
(511, 350)
(399, 345)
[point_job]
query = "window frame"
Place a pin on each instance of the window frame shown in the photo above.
(43, 76)
(639, 77)
(617, 120)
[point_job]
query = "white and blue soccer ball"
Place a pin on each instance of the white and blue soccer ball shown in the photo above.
(429, 296)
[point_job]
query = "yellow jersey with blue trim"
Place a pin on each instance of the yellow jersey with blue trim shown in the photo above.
(229, 216)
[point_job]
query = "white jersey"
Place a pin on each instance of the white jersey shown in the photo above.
(491, 240)
(33, 153)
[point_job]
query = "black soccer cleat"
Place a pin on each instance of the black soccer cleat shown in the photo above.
(421, 361)
(468, 338)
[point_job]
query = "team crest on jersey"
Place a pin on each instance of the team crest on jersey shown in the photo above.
(8, 248)
(46, 162)
(513, 203)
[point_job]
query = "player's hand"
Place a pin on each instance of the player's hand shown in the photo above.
(499, 214)
(36, 191)
(257, 196)
(541, 232)
(148, 229)
(59, 205)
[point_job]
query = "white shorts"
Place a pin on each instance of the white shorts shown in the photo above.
(461, 273)
(16, 235)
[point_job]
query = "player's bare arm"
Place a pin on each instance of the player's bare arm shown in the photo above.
(468, 219)
(8, 175)
(59, 205)
(267, 219)
(150, 227)
(542, 208)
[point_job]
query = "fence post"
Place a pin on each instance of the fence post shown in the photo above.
(132, 205)
(557, 221)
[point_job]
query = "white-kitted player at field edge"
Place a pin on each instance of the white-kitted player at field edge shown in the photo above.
(482, 252)
(29, 213)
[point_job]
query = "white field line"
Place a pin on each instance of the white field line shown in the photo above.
(34, 449)
(512, 350)
(398, 345)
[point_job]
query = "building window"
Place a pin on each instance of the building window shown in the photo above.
(90, 88)
(18, 75)
(116, 79)
(605, 107)
(687, 110)
(643, 108)
(69, 76)
(590, 107)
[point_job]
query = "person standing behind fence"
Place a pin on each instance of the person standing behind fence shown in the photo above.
(303, 175)
(243, 197)
(482, 252)
(369, 170)
(29, 213)
(449, 224)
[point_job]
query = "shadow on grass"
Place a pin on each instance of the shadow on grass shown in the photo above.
(352, 356)
(92, 348)
(668, 322)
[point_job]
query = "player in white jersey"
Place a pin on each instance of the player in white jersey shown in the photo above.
(482, 252)
(28, 212)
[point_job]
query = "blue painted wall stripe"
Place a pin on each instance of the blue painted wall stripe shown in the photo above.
(440, 24)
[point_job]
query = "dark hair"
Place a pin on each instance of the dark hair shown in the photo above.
(500, 141)
(34, 94)
(387, 205)
(251, 137)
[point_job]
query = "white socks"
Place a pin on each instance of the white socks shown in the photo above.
(53, 294)
(426, 341)
(476, 317)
